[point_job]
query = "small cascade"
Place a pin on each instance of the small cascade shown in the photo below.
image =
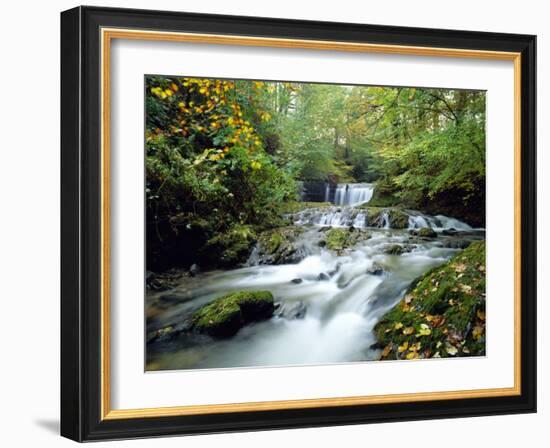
(385, 221)
(353, 194)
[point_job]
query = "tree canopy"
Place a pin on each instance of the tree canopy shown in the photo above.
(224, 157)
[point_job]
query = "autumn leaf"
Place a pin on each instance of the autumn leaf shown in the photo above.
(424, 330)
(450, 349)
(403, 347)
(460, 267)
(387, 350)
(409, 330)
(477, 332)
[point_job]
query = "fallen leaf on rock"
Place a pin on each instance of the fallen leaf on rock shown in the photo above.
(438, 321)
(477, 332)
(424, 330)
(451, 350)
(460, 267)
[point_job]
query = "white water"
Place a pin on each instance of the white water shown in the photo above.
(342, 300)
(353, 194)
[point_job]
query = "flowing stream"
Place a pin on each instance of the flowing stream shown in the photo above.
(326, 304)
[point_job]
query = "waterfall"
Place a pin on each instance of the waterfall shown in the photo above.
(353, 194)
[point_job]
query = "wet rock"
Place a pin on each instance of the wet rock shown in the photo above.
(397, 249)
(323, 276)
(228, 314)
(338, 239)
(296, 310)
(375, 269)
(335, 270)
(162, 281)
(427, 232)
(296, 281)
(449, 232)
(279, 246)
(194, 270)
(380, 216)
(456, 243)
(168, 333)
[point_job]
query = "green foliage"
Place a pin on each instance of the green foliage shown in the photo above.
(223, 155)
(207, 171)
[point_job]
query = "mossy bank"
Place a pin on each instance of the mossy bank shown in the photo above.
(442, 314)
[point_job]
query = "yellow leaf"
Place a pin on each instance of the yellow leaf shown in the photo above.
(408, 330)
(403, 347)
(398, 325)
(424, 330)
(450, 349)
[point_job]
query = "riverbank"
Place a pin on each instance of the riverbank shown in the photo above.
(442, 314)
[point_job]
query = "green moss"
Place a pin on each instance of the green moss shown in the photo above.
(397, 249)
(277, 245)
(227, 314)
(338, 239)
(232, 247)
(397, 217)
(297, 206)
(442, 313)
(427, 232)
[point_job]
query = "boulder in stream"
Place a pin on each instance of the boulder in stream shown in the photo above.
(228, 314)
(427, 232)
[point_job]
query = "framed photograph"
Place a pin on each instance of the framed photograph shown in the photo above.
(276, 224)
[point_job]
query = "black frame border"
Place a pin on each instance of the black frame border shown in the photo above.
(81, 223)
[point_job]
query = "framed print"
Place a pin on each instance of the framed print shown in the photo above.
(276, 224)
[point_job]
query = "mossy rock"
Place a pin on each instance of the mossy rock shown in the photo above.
(228, 314)
(398, 249)
(232, 247)
(277, 246)
(427, 232)
(442, 313)
(398, 219)
(338, 239)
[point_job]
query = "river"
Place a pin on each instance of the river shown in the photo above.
(327, 304)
